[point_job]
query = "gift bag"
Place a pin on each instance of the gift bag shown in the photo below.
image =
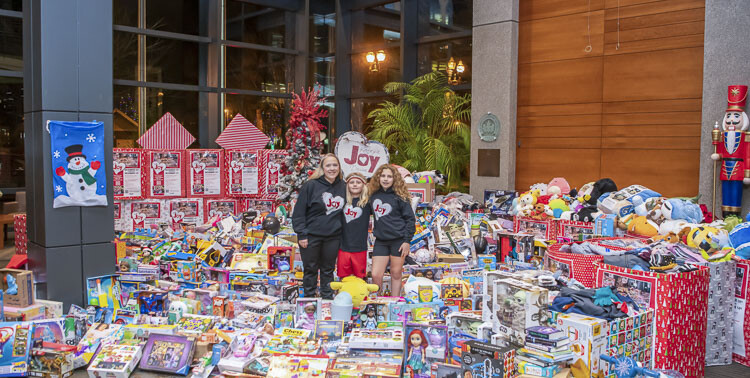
(741, 334)
(572, 265)
(720, 313)
(77, 150)
(680, 301)
(19, 232)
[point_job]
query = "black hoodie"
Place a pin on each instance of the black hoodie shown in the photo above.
(318, 208)
(356, 221)
(394, 217)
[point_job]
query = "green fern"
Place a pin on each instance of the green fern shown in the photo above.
(428, 128)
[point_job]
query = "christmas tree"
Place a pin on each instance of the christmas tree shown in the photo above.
(304, 143)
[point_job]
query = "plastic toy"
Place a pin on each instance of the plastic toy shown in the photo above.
(356, 287)
(626, 367)
(12, 286)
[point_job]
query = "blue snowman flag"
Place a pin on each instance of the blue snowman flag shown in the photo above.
(78, 174)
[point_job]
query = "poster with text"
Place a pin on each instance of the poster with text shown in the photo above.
(259, 205)
(205, 178)
(221, 207)
(166, 174)
(242, 170)
(127, 173)
(123, 221)
(148, 214)
(274, 161)
(641, 289)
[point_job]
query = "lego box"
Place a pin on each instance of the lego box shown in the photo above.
(24, 280)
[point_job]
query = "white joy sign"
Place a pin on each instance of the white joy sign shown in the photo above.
(358, 154)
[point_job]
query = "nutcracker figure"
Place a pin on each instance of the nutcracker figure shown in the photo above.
(731, 146)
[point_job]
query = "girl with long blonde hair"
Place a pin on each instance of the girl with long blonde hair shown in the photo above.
(317, 220)
(353, 253)
(394, 225)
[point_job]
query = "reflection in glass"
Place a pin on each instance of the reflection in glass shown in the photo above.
(125, 116)
(361, 108)
(171, 61)
(124, 55)
(268, 114)
(365, 79)
(11, 133)
(437, 56)
(13, 5)
(322, 72)
(259, 70)
(125, 12)
(448, 16)
(177, 16)
(11, 44)
(260, 25)
(377, 25)
(182, 104)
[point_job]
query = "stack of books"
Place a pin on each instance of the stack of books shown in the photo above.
(545, 353)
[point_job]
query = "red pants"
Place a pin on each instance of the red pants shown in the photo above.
(352, 264)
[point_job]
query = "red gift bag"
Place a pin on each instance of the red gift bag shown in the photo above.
(542, 229)
(680, 301)
(741, 352)
(580, 267)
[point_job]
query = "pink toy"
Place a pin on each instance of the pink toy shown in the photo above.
(558, 182)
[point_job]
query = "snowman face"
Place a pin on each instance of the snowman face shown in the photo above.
(77, 162)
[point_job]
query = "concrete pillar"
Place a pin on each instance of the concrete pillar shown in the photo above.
(494, 87)
(67, 50)
(725, 54)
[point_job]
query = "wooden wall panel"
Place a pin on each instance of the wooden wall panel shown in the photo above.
(630, 112)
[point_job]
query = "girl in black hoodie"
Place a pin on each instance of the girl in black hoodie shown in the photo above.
(316, 219)
(394, 225)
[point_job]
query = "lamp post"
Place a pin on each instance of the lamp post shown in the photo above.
(455, 70)
(374, 59)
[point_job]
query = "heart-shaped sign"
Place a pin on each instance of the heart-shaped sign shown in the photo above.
(118, 167)
(273, 168)
(177, 216)
(351, 213)
(380, 209)
(198, 166)
(138, 217)
(158, 166)
(332, 203)
(237, 165)
(214, 213)
(358, 154)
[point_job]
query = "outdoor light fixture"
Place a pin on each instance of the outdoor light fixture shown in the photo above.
(455, 70)
(375, 59)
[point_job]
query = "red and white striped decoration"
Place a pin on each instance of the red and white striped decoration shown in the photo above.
(166, 134)
(240, 133)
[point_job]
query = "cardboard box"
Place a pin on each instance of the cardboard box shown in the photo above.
(588, 339)
(424, 191)
(477, 357)
(605, 225)
(14, 351)
(25, 281)
(542, 229)
(518, 305)
(51, 363)
(52, 309)
(24, 314)
(116, 360)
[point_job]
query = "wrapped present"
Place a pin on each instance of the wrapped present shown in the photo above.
(166, 134)
(720, 313)
(542, 229)
(205, 173)
(271, 165)
(680, 303)
(741, 350)
(240, 133)
(19, 232)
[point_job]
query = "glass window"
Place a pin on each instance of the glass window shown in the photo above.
(11, 133)
(260, 25)
(259, 70)
(124, 55)
(125, 12)
(377, 25)
(182, 104)
(448, 16)
(171, 61)
(322, 72)
(125, 116)
(13, 5)
(177, 16)
(372, 76)
(268, 114)
(437, 56)
(361, 108)
(323, 32)
(11, 44)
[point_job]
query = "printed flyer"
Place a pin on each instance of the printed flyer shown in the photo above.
(166, 174)
(205, 172)
(127, 173)
(243, 172)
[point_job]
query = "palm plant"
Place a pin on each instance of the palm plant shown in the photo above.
(427, 128)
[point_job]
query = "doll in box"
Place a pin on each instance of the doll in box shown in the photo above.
(307, 316)
(416, 344)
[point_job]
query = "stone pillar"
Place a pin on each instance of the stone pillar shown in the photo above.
(493, 90)
(725, 55)
(67, 50)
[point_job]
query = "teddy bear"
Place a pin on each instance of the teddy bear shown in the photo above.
(526, 203)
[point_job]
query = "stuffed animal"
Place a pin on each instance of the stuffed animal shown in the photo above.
(558, 207)
(740, 240)
(526, 204)
(558, 186)
(356, 287)
(676, 208)
(540, 188)
(429, 177)
(640, 225)
(588, 211)
(620, 203)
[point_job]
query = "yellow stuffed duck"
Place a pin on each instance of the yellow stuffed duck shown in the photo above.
(356, 287)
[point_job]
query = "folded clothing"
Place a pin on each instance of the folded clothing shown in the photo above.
(582, 302)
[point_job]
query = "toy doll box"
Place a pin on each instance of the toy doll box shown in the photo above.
(168, 354)
(24, 279)
(485, 360)
(14, 351)
(376, 339)
(51, 363)
(588, 339)
(518, 305)
(680, 304)
(542, 229)
(116, 360)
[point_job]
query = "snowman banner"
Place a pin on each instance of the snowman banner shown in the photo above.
(77, 155)
(242, 170)
(205, 172)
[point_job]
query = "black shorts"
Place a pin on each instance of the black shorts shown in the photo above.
(386, 248)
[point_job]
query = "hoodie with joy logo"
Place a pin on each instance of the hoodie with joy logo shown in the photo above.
(394, 217)
(318, 208)
(356, 222)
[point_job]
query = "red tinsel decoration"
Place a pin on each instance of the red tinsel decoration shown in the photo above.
(306, 108)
